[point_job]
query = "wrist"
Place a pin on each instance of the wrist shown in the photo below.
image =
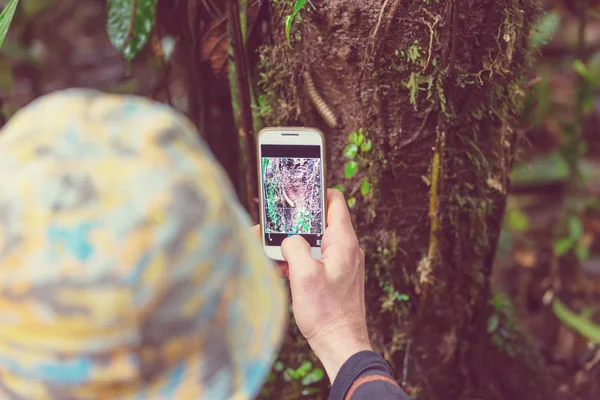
(334, 347)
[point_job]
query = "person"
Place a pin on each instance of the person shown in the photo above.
(127, 270)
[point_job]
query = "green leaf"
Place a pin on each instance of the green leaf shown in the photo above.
(350, 151)
(544, 29)
(367, 145)
(351, 202)
(339, 187)
(517, 221)
(289, 375)
(493, 323)
(563, 245)
(316, 375)
(365, 187)
(582, 70)
(360, 137)
(350, 169)
(575, 227)
(401, 296)
(353, 138)
(304, 369)
(581, 325)
(128, 39)
(6, 17)
(309, 391)
(278, 366)
(290, 18)
(548, 168)
(582, 252)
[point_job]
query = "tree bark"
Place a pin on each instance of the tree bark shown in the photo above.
(437, 85)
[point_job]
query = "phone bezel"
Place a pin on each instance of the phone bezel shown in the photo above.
(285, 136)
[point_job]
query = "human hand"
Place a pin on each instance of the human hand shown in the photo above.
(328, 296)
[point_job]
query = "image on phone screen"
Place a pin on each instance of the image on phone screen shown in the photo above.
(293, 193)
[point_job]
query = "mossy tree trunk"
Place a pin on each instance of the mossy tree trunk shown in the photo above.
(437, 85)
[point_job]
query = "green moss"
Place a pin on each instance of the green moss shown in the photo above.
(276, 102)
(415, 84)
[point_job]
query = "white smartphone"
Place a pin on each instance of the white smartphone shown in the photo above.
(292, 187)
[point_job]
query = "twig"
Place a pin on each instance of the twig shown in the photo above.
(418, 133)
(454, 35)
(590, 365)
(431, 26)
(243, 88)
(379, 21)
(194, 51)
(405, 366)
(210, 8)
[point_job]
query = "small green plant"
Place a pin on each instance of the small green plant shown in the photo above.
(391, 296)
(290, 19)
(358, 143)
(501, 325)
(6, 17)
(413, 53)
(581, 323)
(573, 241)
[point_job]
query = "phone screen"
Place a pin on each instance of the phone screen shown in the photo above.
(292, 179)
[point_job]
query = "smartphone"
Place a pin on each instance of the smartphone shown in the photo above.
(292, 187)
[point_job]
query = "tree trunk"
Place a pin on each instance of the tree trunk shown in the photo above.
(437, 85)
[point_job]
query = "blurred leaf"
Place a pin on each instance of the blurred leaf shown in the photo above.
(289, 375)
(122, 14)
(32, 7)
(350, 151)
(353, 138)
(401, 296)
(517, 221)
(290, 18)
(548, 168)
(505, 243)
(582, 252)
(493, 323)
(581, 325)
(304, 369)
(339, 187)
(365, 187)
(17, 53)
(350, 169)
(6, 75)
(563, 245)
(544, 29)
(351, 202)
(314, 376)
(367, 145)
(584, 72)
(6, 17)
(309, 391)
(278, 366)
(575, 227)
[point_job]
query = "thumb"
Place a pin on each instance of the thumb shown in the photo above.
(302, 266)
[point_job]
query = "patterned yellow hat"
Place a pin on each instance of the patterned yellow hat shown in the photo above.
(127, 269)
